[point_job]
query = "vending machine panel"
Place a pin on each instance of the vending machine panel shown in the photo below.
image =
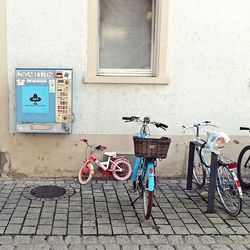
(43, 100)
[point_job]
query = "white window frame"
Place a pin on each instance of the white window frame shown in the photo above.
(156, 75)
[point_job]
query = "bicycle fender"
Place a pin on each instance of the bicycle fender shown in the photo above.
(237, 182)
(92, 171)
(151, 176)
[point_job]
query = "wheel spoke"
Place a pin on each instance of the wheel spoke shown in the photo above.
(199, 171)
(228, 191)
(243, 168)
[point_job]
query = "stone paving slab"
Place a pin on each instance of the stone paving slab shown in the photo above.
(122, 242)
(103, 207)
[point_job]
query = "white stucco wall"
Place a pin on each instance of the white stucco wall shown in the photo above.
(208, 64)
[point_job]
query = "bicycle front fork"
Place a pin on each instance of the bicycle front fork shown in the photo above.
(150, 172)
(151, 175)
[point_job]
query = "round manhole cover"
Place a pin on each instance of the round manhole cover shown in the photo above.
(48, 191)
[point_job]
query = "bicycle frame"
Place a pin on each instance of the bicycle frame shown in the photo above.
(210, 144)
(146, 167)
(219, 183)
(108, 165)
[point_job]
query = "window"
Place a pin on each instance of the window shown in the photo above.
(126, 37)
(127, 41)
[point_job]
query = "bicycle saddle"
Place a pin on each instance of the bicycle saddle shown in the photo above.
(111, 154)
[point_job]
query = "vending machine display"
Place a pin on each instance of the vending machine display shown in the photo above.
(43, 100)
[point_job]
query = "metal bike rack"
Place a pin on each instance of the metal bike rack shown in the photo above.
(212, 177)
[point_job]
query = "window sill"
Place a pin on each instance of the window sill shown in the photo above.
(126, 80)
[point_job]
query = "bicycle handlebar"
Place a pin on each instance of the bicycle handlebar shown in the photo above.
(160, 125)
(146, 120)
(199, 125)
(244, 128)
(83, 139)
(98, 147)
(130, 119)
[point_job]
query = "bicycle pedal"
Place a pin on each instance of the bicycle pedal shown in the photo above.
(205, 193)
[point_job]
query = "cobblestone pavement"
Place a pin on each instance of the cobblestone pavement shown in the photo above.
(100, 216)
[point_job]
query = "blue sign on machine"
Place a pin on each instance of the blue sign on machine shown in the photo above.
(35, 99)
(43, 100)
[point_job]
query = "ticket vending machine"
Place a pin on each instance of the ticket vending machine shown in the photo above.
(43, 100)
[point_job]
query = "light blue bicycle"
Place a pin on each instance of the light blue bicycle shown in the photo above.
(147, 151)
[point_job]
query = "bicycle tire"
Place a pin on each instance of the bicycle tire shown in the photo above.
(244, 168)
(199, 171)
(86, 176)
(228, 191)
(126, 170)
(147, 197)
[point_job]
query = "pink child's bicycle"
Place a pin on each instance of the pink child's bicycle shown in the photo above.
(118, 165)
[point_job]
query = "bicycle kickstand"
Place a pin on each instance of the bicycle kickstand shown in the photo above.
(133, 202)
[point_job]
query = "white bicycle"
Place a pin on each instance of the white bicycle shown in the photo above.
(119, 166)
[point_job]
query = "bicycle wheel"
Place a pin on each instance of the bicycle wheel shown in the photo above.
(243, 167)
(122, 170)
(228, 191)
(147, 197)
(199, 171)
(85, 173)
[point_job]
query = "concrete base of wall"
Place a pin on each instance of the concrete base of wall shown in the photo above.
(36, 155)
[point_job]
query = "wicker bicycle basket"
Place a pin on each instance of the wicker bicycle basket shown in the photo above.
(151, 147)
